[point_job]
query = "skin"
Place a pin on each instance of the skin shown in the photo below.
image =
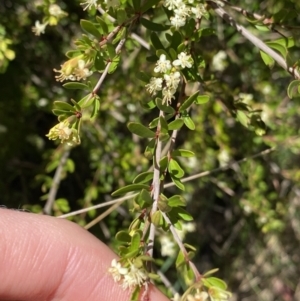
(43, 258)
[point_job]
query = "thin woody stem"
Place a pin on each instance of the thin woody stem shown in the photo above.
(155, 186)
(181, 246)
(254, 40)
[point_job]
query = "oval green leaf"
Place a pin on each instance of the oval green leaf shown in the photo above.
(144, 177)
(130, 188)
(140, 130)
(188, 102)
(75, 85)
(176, 124)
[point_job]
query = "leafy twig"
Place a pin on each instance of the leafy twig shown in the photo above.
(254, 40)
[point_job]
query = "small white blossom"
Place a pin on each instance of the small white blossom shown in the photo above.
(135, 277)
(163, 65)
(199, 10)
(219, 61)
(182, 11)
(168, 95)
(39, 28)
(172, 4)
(203, 296)
(89, 4)
(177, 21)
(82, 72)
(172, 80)
(154, 85)
(168, 247)
(56, 11)
(117, 271)
(184, 60)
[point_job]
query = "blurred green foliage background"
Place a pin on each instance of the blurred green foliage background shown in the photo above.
(247, 217)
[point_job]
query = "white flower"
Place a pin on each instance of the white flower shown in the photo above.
(198, 296)
(219, 61)
(39, 28)
(171, 4)
(168, 95)
(184, 60)
(168, 247)
(135, 277)
(172, 80)
(56, 11)
(117, 271)
(63, 132)
(199, 10)
(163, 65)
(89, 4)
(182, 11)
(154, 85)
(177, 21)
(82, 72)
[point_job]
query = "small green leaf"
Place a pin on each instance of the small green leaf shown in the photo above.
(153, 124)
(123, 236)
(293, 88)
(64, 106)
(104, 27)
(163, 107)
(140, 130)
(183, 214)
(76, 105)
(99, 63)
(163, 136)
(155, 41)
(176, 124)
(215, 282)
(182, 153)
(114, 64)
(163, 125)
(90, 28)
(175, 169)
(201, 99)
(143, 199)
(176, 201)
(62, 112)
(242, 118)
(143, 177)
(76, 85)
(188, 102)
(268, 60)
(130, 188)
(149, 151)
(96, 107)
(178, 183)
(86, 101)
(153, 26)
(189, 122)
(121, 16)
(163, 163)
(156, 218)
(180, 260)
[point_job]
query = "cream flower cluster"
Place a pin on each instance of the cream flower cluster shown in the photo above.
(73, 69)
(94, 3)
(129, 277)
(184, 9)
(170, 79)
(64, 133)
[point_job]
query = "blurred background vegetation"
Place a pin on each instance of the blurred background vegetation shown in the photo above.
(247, 216)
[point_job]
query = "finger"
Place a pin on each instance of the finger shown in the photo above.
(45, 259)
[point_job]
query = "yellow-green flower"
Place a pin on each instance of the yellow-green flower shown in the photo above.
(63, 132)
